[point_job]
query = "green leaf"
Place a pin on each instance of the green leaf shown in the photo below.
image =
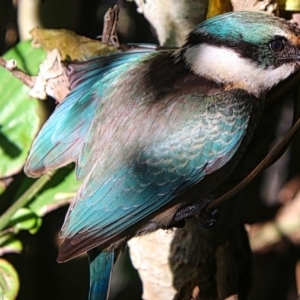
(9, 281)
(2, 187)
(40, 198)
(38, 224)
(24, 219)
(58, 192)
(20, 115)
(9, 243)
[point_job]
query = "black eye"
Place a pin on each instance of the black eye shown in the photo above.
(277, 45)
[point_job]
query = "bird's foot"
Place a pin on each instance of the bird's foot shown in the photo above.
(209, 217)
(206, 217)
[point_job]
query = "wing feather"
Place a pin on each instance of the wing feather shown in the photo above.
(136, 147)
(130, 172)
(61, 138)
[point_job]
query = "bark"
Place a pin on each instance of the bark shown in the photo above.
(204, 263)
(269, 6)
(173, 20)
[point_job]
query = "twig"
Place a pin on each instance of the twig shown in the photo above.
(11, 66)
(24, 199)
(109, 34)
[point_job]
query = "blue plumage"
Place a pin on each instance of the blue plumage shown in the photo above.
(100, 272)
(141, 175)
(154, 131)
(63, 143)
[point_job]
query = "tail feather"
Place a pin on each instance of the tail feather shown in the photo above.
(101, 264)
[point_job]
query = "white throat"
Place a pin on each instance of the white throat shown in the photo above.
(224, 65)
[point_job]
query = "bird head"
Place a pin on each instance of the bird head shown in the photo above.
(248, 50)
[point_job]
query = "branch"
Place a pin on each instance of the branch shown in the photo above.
(269, 6)
(11, 66)
(28, 17)
(53, 79)
(109, 34)
(152, 261)
(173, 20)
(24, 199)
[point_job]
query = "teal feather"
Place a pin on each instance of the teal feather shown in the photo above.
(245, 24)
(130, 175)
(148, 134)
(61, 138)
(101, 264)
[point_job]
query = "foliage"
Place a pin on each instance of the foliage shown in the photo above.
(20, 116)
(20, 119)
(72, 47)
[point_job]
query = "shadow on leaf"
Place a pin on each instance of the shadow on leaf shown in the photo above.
(8, 146)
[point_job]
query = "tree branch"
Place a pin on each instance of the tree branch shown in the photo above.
(11, 66)
(24, 199)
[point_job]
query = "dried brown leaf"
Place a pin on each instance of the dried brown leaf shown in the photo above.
(217, 7)
(71, 46)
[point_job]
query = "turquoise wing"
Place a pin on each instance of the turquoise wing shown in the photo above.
(61, 138)
(140, 155)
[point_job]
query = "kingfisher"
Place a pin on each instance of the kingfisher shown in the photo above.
(152, 132)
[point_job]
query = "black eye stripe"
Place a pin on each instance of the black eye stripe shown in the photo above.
(277, 45)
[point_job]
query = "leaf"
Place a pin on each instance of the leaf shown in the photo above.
(20, 116)
(57, 192)
(60, 191)
(9, 281)
(24, 219)
(38, 224)
(71, 46)
(35, 199)
(9, 244)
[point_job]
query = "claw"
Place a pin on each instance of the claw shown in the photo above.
(209, 218)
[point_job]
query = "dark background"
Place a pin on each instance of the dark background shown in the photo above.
(41, 277)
